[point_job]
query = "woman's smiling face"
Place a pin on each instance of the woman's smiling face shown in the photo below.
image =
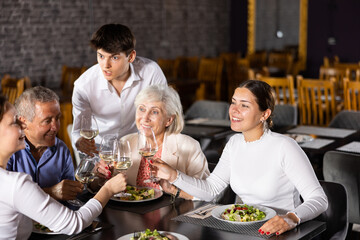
(12, 137)
(244, 111)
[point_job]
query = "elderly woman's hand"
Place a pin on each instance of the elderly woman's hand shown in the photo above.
(163, 170)
(168, 187)
(103, 170)
(279, 224)
(86, 146)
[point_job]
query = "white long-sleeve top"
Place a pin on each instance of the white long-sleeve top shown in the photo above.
(271, 171)
(22, 200)
(114, 114)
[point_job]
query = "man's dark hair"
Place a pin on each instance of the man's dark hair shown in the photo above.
(114, 39)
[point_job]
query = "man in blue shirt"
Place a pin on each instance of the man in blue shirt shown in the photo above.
(46, 158)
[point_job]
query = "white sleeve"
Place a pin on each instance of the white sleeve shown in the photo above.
(212, 186)
(298, 169)
(40, 207)
(80, 105)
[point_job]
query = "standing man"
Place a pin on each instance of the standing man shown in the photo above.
(108, 89)
(46, 158)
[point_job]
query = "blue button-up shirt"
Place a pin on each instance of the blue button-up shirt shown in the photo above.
(54, 165)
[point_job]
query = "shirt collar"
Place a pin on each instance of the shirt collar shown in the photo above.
(104, 83)
(52, 148)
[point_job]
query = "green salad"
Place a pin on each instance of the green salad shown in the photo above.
(149, 235)
(242, 213)
(138, 193)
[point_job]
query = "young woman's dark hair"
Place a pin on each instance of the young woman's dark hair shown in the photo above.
(264, 95)
(113, 38)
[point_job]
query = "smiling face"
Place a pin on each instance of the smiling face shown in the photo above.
(245, 115)
(115, 66)
(42, 130)
(153, 115)
(12, 137)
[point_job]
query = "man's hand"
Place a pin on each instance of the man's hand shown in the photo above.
(65, 190)
(86, 146)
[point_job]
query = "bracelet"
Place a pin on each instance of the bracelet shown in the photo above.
(177, 193)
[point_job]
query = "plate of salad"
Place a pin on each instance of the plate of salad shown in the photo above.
(41, 229)
(243, 213)
(153, 235)
(137, 194)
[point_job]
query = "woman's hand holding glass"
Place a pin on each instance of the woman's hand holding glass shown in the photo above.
(85, 174)
(147, 146)
(107, 154)
(163, 170)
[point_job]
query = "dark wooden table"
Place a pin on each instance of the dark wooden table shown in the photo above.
(125, 218)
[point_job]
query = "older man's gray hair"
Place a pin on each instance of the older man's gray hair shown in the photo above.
(25, 104)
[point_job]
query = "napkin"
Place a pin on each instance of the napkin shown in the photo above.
(202, 212)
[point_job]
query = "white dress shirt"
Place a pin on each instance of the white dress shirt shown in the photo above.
(114, 114)
(22, 200)
(272, 171)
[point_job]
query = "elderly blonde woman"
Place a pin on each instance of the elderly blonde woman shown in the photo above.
(159, 107)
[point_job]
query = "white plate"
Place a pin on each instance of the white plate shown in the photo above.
(178, 235)
(158, 193)
(216, 213)
(300, 138)
(39, 231)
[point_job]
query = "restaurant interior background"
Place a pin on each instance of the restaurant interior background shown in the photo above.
(37, 37)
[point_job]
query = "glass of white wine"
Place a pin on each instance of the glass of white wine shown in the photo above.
(122, 160)
(85, 174)
(147, 146)
(107, 150)
(89, 128)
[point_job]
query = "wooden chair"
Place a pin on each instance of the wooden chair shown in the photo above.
(237, 73)
(12, 88)
(351, 95)
(352, 70)
(327, 72)
(257, 60)
(68, 77)
(281, 63)
(316, 101)
(284, 88)
(186, 67)
(66, 119)
(209, 75)
(168, 67)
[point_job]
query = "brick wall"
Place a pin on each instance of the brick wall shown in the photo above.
(37, 37)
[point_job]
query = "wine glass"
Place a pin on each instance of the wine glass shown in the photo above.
(122, 161)
(85, 174)
(147, 146)
(122, 158)
(89, 128)
(107, 150)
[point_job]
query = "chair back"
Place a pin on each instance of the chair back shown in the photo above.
(66, 119)
(284, 88)
(186, 67)
(237, 73)
(12, 88)
(208, 109)
(346, 119)
(336, 214)
(316, 101)
(351, 95)
(167, 66)
(284, 115)
(257, 60)
(68, 77)
(281, 61)
(210, 76)
(344, 168)
(326, 73)
(76, 155)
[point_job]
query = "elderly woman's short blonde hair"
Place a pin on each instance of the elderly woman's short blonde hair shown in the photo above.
(172, 104)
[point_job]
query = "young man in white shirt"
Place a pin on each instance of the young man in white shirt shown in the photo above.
(108, 89)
